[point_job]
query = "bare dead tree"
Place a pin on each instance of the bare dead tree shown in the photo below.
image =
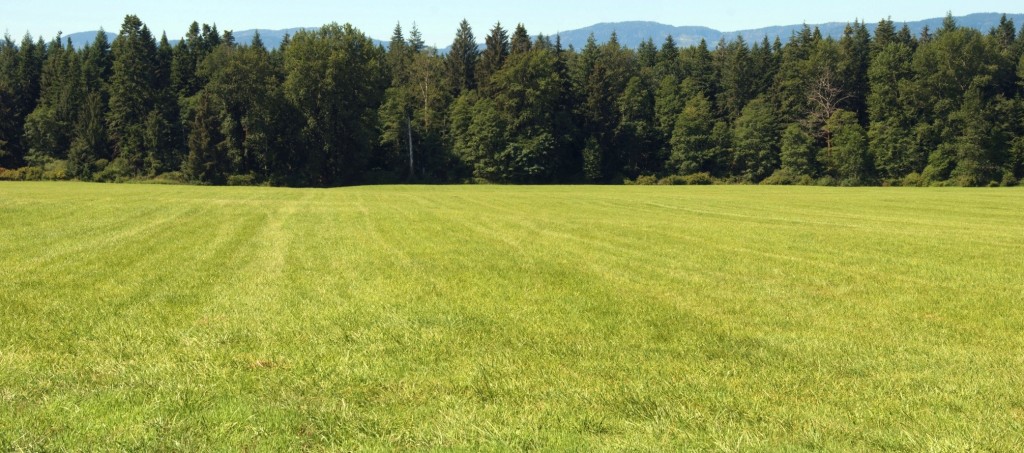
(825, 96)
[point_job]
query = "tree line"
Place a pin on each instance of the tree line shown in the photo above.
(329, 108)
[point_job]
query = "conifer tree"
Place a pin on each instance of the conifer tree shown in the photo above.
(131, 93)
(798, 152)
(520, 41)
(8, 129)
(693, 146)
(846, 157)
(48, 129)
(734, 66)
(493, 57)
(756, 151)
(462, 60)
(416, 44)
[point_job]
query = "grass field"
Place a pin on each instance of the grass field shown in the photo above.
(481, 317)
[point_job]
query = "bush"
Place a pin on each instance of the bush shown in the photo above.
(242, 180)
(787, 177)
(113, 171)
(699, 179)
(31, 173)
(826, 181)
(9, 175)
(171, 177)
(696, 179)
(1009, 180)
(913, 180)
(674, 180)
(643, 180)
(55, 170)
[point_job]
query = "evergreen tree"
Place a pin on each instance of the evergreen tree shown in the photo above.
(568, 139)
(163, 139)
(798, 152)
(90, 132)
(48, 129)
(846, 158)
(693, 147)
(638, 133)
(854, 56)
(8, 127)
(520, 43)
(600, 77)
(22, 66)
(90, 142)
(131, 93)
(756, 151)
(416, 44)
(794, 80)
(737, 80)
(462, 60)
(957, 62)
(206, 161)
(765, 64)
(257, 41)
(97, 64)
(494, 54)
(396, 111)
(647, 55)
(891, 139)
(699, 73)
(885, 34)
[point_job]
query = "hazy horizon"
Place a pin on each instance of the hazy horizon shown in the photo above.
(438, 24)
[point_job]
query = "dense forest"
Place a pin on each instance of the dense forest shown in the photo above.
(329, 108)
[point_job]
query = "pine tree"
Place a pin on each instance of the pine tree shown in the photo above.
(90, 142)
(734, 66)
(699, 73)
(854, 56)
(885, 34)
(638, 133)
(416, 44)
(765, 64)
(257, 41)
(462, 60)
(846, 158)
(693, 146)
(48, 129)
(97, 64)
(520, 43)
(668, 60)
(798, 152)
(600, 76)
(396, 112)
(756, 151)
(163, 139)
(206, 161)
(494, 55)
(131, 92)
(8, 127)
(647, 54)
(21, 66)
(891, 140)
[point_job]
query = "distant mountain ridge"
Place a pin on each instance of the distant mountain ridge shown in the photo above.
(632, 34)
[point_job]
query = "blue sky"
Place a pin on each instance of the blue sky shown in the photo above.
(438, 20)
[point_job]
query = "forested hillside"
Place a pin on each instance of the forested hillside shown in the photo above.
(332, 108)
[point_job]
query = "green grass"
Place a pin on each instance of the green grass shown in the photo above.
(479, 317)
